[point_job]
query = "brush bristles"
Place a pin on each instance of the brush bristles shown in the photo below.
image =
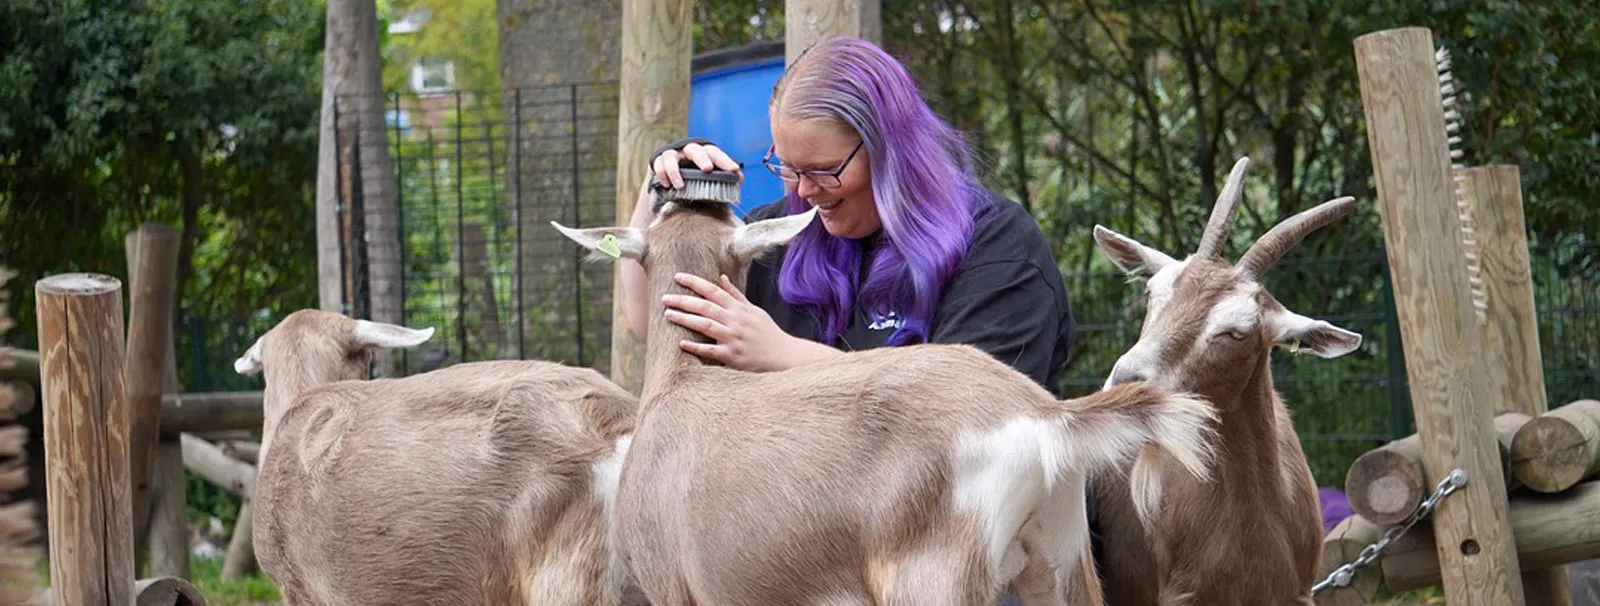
(1471, 248)
(701, 191)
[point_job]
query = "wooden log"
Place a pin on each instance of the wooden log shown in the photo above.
(85, 439)
(21, 365)
(168, 591)
(1549, 531)
(1387, 483)
(208, 412)
(653, 108)
(807, 21)
(1560, 448)
(158, 591)
(152, 284)
(1440, 337)
(206, 459)
(1341, 546)
(241, 557)
(1511, 325)
(22, 397)
(248, 452)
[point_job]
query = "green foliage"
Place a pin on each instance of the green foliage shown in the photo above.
(197, 113)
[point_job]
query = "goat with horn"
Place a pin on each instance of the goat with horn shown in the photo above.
(1252, 535)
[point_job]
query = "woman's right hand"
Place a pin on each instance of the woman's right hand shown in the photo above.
(706, 157)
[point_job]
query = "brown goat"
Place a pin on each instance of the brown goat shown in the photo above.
(1253, 534)
(927, 474)
(487, 483)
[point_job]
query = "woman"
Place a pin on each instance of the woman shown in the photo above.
(909, 247)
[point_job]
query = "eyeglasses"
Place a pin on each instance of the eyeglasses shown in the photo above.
(823, 179)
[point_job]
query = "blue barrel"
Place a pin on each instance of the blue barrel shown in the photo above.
(728, 95)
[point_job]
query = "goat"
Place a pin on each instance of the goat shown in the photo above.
(479, 483)
(1253, 534)
(928, 474)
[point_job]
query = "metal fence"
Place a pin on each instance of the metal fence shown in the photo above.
(478, 177)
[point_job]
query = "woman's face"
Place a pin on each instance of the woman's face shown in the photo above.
(847, 211)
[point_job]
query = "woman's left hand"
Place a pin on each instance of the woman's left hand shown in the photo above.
(746, 337)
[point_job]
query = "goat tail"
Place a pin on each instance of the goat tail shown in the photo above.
(1145, 423)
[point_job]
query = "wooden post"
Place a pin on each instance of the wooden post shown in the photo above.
(241, 556)
(653, 109)
(1511, 332)
(169, 523)
(1441, 340)
(152, 284)
(807, 21)
(85, 439)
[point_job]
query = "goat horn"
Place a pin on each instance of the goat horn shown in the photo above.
(1286, 235)
(1227, 204)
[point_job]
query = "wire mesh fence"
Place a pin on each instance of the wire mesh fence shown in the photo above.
(477, 177)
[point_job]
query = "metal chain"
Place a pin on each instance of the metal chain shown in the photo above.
(1342, 576)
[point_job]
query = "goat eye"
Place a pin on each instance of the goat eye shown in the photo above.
(1237, 334)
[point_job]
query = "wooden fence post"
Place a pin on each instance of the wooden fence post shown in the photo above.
(1438, 322)
(806, 21)
(152, 283)
(85, 439)
(652, 109)
(1511, 333)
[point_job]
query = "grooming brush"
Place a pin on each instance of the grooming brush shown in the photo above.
(716, 185)
(1471, 248)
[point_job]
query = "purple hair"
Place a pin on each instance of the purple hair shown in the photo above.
(922, 182)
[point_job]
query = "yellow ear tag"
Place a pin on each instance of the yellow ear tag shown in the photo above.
(608, 245)
(1294, 348)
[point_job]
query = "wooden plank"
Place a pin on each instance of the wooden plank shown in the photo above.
(85, 439)
(807, 21)
(1550, 531)
(1438, 322)
(653, 108)
(1511, 329)
(21, 365)
(152, 284)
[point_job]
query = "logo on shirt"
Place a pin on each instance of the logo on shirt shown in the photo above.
(881, 322)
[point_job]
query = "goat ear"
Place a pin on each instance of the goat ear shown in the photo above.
(750, 240)
(389, 336)
(250, 362)
(1300, 333)
(629, 242)
(1128, 254)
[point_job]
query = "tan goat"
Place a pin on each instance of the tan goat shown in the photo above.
(926, 475)
(487, 483)
(1253, 534)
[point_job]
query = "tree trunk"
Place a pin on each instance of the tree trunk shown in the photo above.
(352, 112)
(559, 63)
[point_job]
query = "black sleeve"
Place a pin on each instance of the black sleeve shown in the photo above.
(1008, 309)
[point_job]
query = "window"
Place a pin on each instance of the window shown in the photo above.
(430, 75)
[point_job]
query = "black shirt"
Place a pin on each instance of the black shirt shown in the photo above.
(1006, 298)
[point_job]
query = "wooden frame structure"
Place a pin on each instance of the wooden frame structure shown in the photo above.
(1457, 247)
